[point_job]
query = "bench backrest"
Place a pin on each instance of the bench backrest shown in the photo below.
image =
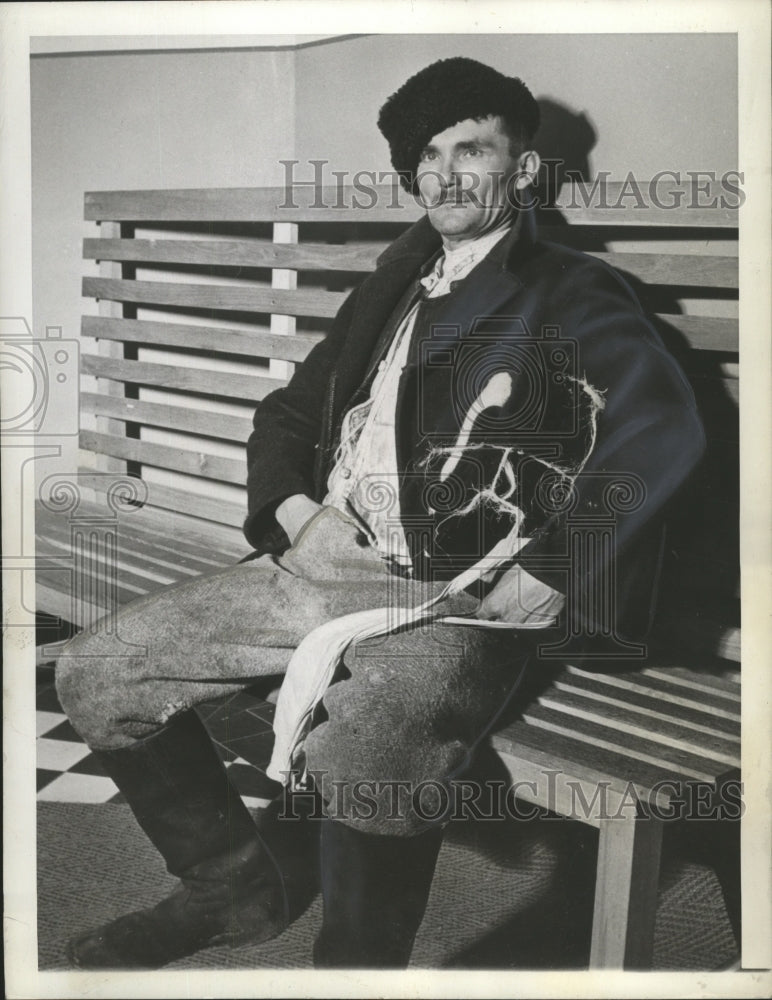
(208, 298)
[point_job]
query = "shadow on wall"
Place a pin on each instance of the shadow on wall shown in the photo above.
(564, 142)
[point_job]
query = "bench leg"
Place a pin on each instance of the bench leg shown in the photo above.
(626, 893)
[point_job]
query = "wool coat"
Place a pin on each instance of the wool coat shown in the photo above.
(536, 392)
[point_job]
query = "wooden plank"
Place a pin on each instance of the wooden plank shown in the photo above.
(197, 532)
(683, 270)
(611, 204)
(690, 765)
(626, 883)
(521, 743)
(713, 333)
(132, 578)
(655, 687)
(137, 548)
(701, 720)
(53, 592)
(228, 298)
(300, 204)
(705, 333)
(255, 344)
(214, 519)
(177, 418)
(661, 729)
(630, 201)
(232, 385)
(192, 463)
(695, 681)
(348, 257)
(640, 239)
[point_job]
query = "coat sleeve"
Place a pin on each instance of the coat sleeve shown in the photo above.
(648, 439)
(286, 431)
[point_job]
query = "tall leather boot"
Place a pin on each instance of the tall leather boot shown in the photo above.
(375, 890)
(231, 891)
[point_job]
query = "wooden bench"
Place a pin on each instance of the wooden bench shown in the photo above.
(206, 301)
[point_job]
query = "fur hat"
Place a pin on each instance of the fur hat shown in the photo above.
(444, 93)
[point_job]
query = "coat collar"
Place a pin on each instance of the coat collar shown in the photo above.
(421, 243)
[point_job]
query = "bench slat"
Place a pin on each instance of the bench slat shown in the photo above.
(714, 333)
(229, 470)
(209, 537)
(656, 728)
(641, 239)
(179, 418)
(156, 531)
(667, 691)
(131, 585)
(54, 590)
(136, 547)
(699, 719)
(227, 298)
(689, 765)
(133, 575)
(683, 270)
(697, 682)
(576, 758)
(255, 344)
(219, 521)
(232, 385)
(705, 333)
(239, 253)
(389, 203)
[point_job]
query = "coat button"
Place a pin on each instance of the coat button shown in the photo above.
(345, 472)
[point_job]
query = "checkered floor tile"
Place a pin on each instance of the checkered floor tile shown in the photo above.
(67, 771)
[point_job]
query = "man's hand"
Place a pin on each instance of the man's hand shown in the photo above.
(521, 599)
(294, 512)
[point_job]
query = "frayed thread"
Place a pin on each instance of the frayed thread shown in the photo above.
(493, 497)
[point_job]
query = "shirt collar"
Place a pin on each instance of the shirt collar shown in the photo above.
(453, 265)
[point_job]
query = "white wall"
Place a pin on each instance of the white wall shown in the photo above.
(141, 120)
(656, 102)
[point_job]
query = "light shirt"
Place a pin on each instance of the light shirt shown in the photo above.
(364, 481)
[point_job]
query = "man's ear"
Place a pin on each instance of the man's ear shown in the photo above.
(528, 164)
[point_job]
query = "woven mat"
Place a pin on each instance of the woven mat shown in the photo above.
(505, 895)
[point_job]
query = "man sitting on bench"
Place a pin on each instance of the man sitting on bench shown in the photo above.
(474, 392)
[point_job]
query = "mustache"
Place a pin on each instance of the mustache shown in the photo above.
(456, 195)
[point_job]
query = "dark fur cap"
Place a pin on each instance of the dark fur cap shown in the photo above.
(444, 93)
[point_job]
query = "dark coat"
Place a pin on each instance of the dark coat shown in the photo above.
(568, 331)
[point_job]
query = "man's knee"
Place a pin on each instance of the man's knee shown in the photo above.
(91, 688)
(411, 712)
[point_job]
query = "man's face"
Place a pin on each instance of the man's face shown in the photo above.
(463, 175)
